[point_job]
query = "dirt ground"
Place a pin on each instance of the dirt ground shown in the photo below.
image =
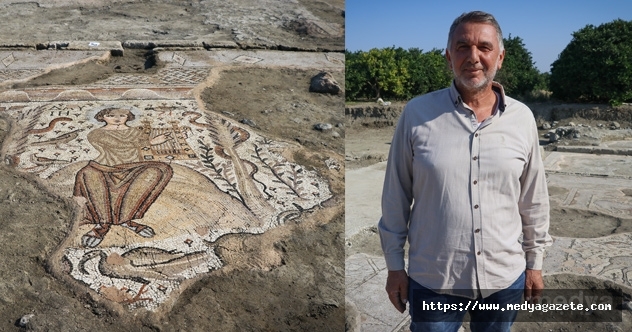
(137, 61)
(369, 132)
(303, 24)
(280, 105)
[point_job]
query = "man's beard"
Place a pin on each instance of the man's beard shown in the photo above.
(470, 84)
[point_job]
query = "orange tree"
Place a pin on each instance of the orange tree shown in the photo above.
(596, 66)
(394, 73)
(518, 74)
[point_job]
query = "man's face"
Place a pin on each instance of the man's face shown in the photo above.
(474, 55)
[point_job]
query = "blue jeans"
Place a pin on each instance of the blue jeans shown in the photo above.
(425, 319)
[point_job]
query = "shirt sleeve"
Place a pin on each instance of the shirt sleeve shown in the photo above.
(397, 197)
(534, 206)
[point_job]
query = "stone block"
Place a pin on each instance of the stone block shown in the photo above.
(114, 47)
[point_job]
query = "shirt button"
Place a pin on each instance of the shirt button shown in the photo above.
(478, 253)
(475, 158)
(476, 206)
(475, 182)
(476, 135)
(477, 230)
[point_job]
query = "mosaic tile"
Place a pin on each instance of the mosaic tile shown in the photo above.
(159, 182)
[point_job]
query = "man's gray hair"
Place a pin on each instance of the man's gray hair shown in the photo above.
(477, 17)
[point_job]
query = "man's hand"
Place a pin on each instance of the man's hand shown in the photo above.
(397, 289)
(533, 285)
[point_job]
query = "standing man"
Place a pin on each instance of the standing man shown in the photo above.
(464, 181)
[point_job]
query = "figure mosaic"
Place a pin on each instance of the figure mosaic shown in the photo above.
(118, 186)
(158, 183)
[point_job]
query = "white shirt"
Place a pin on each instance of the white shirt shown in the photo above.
(473, 190)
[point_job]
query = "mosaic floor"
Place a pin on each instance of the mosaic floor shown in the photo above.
(157, 178)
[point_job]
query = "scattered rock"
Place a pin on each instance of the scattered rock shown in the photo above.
(248, 122)
(323, 126)
(332, 164)
(615, 125)
(335, 134)
(561, 131)
(571, 124)
(228, 113)
(324, 82)
(382, 102)
(24, 321)
(546, 126)
(569, 132)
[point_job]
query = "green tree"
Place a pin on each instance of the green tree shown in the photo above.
(544, 81)
(518, 74)
(394, 73)
(428, 72)
(596, 66)
(387, 73)
(356, 77)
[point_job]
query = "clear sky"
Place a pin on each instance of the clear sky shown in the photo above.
(545, 26)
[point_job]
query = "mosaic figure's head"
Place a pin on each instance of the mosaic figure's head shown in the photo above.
(115, 115)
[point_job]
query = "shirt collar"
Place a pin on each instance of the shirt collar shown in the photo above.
(456, 97)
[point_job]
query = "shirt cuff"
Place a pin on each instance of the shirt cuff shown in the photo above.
(395, 262)
(534, 260)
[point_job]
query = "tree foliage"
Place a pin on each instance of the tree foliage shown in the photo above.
(356, 77)
(388, 71)
(428, 72)
(394, 73)
(518, 74)
(596, 66)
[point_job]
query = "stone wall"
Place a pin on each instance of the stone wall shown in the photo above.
(373, 116)
(595, 112)
(604, 113)
(384, 116)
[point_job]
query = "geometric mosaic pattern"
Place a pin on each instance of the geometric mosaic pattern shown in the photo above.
(247, 59)
(10, 59)
(18, 74)
(181, 76)
(164, 76)
(125, 79)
